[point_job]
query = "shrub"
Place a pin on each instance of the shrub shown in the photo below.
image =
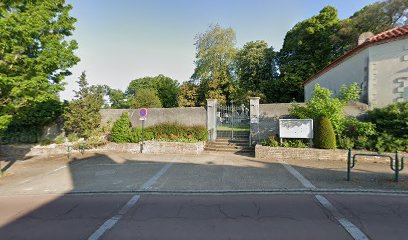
(324, 136)
(72, 137)
(121, 130)
(60, 139)
(272, 141)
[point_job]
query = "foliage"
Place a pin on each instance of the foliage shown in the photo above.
(377, 17)
(392, 127)
(214, 63)
(322, 104)
(188, 96)
(146, 97)
(121, 130)
(307, 49)
(73, 137)
(324, 136)
(82, 115)
(272, 141)
(35, 58)
(60, 139)
(256, 68)
(117, 99)
(167, 89)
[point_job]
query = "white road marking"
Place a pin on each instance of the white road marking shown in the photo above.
(160, 173)
(306, 183)
(108, 224)
(352, 229)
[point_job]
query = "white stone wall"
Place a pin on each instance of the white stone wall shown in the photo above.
(353, 69)
(388, 73)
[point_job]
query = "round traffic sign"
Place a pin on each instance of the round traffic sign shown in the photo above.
(143, 112)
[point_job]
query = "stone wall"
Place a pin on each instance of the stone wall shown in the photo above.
(22, 151)
(190, 116)
(280, 153)
(269, 115)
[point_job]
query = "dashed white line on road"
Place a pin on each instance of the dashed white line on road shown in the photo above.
(108, 224)
(352, 229)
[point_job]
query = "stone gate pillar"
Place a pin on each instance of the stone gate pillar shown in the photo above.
(254, 120)
(212, 119)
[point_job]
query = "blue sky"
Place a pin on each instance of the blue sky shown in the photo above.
(127, 39)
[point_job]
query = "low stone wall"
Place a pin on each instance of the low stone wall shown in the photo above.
(24, 151)
(280, 153)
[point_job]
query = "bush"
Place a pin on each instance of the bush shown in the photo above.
(121, 130)
(72, 137)
(272, 141)
(168, 132)
(324, 136)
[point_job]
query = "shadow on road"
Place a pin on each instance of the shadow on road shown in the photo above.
(79, 212)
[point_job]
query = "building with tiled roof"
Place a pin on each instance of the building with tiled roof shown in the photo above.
(379, 65)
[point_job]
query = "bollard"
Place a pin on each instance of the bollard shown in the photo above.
(348, 164)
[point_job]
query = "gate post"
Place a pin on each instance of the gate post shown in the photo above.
(212, 119)
(254, 120)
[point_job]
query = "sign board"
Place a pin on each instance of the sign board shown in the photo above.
(296, 128)
(254, 120)
(142, 119)
(143, 113)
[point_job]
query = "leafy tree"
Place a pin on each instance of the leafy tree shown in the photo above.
(375, 18)
(306, 50)
(188, 96)
(167, 89)
(256, 69)
(82, 115)
(146, 97)
(214, 63)
(34, 59)
(117, 99)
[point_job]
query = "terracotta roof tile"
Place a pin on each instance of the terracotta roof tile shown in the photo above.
(389, 35)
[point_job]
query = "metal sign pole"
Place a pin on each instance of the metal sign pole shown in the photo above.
(143, 121)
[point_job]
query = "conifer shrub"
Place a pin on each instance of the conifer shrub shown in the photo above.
(324, 136)
(121, 130)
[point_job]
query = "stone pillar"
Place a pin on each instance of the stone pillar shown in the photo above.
(212, 119)
(254, 120)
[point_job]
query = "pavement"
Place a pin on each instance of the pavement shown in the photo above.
(207, 196)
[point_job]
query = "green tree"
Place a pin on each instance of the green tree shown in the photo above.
(256, 69)
(188, 96)
(145, 98)
(307, 49)
(214, 63)
(167, 89)
(82, 114)
(375, 18)
(35, 56)
(117, 99)
(324, 136)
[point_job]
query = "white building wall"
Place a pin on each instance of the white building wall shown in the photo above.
(388, 80)
(353, 69)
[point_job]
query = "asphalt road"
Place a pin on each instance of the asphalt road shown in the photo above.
(198, 197)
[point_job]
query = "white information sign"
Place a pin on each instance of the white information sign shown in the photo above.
(296, 128)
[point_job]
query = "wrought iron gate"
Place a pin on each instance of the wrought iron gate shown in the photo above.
(232, 120)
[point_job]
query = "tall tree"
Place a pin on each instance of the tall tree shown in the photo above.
(35, 56)
(146, 98)
(82, 114)
(375, 18)
(117, 99)
(256, 69)
(167, 89)
(214, 63)
(188, 96)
